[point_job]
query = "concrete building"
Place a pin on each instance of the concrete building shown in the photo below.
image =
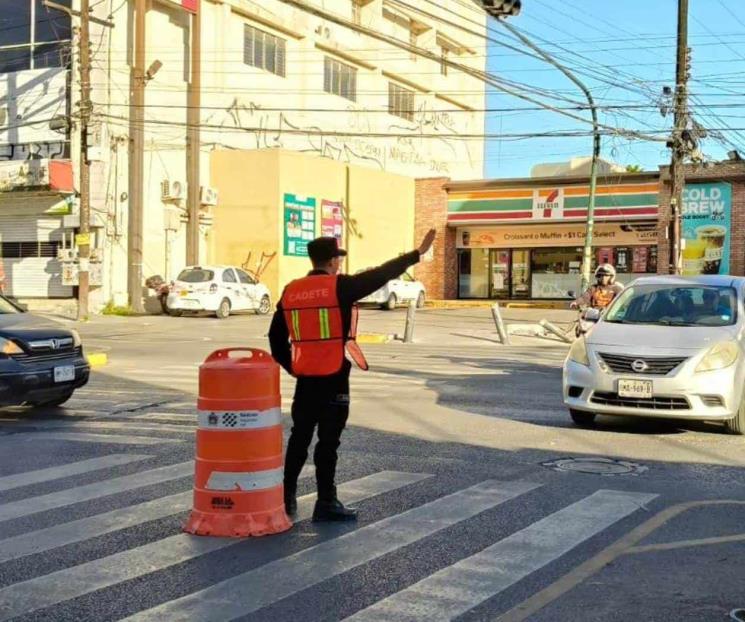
(385, 85)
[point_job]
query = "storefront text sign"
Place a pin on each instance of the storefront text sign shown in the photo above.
(299, 225)
(707, 210)
(527, 236)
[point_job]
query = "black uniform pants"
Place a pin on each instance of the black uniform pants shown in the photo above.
(322, 403)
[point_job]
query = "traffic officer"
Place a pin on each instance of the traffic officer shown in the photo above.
(312, 328)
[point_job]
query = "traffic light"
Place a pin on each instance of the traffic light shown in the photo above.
(502, 8)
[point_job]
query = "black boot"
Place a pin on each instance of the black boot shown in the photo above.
(290, 502)
(332, 510)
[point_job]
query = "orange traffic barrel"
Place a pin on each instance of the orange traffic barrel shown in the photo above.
(238, 487)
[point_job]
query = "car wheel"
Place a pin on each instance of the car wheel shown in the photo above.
(582, 418)
(58, 401)
(390, 304)
(736, 425)
(420, 300)
(264, 306)
(223, 310)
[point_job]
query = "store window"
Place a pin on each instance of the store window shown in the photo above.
(555, 271)
(473, 273)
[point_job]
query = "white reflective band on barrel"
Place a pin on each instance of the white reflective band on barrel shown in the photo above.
(240, 419)
(257, 480)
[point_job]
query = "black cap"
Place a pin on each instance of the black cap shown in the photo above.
(324, 249)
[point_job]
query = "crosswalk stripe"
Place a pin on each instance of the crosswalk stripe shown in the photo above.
(134, 425)
(42, 540)
(455, 590)
(248, 592)
(62, 585)
(105, 488)
(74, 468)
(150, 416)
(84, 437)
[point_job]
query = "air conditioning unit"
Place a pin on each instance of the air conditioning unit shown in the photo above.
(172, 190)
(208, 196)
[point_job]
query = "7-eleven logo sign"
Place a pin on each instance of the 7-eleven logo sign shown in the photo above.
(548, 203)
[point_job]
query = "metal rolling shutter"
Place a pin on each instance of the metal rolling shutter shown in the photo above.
(27, 275)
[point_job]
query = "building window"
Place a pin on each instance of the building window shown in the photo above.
(340, 79)
(29, 250)
(264, 51)
(33, 36)
(400, 101)
(444, 61)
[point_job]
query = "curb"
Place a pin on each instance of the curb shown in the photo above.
(97, 359)
(487, 304)
(373, 338)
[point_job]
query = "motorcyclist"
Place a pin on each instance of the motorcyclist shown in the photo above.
(602, 292)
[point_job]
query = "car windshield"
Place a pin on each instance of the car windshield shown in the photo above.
(675, 305)
(196, 276)
(6, 307)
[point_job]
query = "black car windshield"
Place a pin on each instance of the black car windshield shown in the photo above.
(675, 305)
(196, 276)
(7, 307)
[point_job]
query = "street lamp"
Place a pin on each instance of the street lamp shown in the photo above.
(500, 9)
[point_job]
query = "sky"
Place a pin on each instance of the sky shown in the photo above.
(625, 52)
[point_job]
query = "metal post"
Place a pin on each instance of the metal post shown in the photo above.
(504, 337)
(85, 206)
(136, 163)
(193, 141)
(410, 317)
(590, 225)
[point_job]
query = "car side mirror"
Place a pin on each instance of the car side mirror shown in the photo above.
(591, 315)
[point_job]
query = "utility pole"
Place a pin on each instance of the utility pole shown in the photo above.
(136, 162)
(193, 119)
(84, 248)
(679, 140)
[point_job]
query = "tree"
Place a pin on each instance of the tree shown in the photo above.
(633, 168)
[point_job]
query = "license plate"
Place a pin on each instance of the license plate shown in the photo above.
(64, 374)
(635, 388)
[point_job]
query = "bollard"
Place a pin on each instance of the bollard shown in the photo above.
(556, 331)
(410, 316)
(501, 330)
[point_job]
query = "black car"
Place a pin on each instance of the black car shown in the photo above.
(41, 362)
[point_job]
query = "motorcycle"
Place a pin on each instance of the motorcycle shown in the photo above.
(162, 289)
(587, 317)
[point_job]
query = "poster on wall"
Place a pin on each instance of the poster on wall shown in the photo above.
(707, 212)
(639, 259)
(332, 220)
(299, 224)
(605, 255)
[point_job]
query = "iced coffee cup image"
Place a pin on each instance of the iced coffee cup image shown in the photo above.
(693, 256)
(714, 237)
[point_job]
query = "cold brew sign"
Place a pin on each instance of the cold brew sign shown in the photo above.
(706, 228)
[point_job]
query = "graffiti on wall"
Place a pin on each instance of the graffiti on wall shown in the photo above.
(418, 148)
(35, 151)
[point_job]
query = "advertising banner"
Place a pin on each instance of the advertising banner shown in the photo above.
(707, 213)
(332, 220)
(299, 224)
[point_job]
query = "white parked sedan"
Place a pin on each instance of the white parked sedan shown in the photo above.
(666, 347)
(221, 290)
(398, 291)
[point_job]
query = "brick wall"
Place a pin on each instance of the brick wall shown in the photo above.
(730, 172)
(439, 276)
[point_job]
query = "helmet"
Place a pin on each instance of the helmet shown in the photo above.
(606, 270)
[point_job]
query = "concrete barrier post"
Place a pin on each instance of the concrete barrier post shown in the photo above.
(410, 317)
(501, 330)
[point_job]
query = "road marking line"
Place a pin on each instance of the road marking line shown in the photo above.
(62, 585)
(74, 468)
(243, 594)
(104, 488)
(118, 425)
(584, 571)
(191, 417)
(83, 437)
(683, 544)
(82, 529)
(454, 590)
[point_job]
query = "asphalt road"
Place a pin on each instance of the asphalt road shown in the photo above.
(453, 455)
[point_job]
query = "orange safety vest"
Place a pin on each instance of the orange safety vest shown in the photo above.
(313, 317)
(601, 297)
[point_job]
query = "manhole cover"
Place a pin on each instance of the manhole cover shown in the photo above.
(595, 466)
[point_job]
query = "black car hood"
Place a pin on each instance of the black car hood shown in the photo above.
(26, 326)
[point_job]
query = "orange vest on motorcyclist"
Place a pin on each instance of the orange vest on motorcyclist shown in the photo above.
(314, 322)
(601, 297)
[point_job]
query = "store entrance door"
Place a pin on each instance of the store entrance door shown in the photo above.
(499, 285)
(520, 274)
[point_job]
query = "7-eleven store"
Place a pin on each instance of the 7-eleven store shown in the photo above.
(523, 239)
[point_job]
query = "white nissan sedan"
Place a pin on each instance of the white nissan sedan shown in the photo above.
(667, 347)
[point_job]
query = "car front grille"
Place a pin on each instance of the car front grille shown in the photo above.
(49, 355)
(654, 403)
(712, 401)
(655, 366)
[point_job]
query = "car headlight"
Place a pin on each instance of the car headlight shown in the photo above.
(9, 347)
(76, 340)
(719, 356)
(578, 352)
